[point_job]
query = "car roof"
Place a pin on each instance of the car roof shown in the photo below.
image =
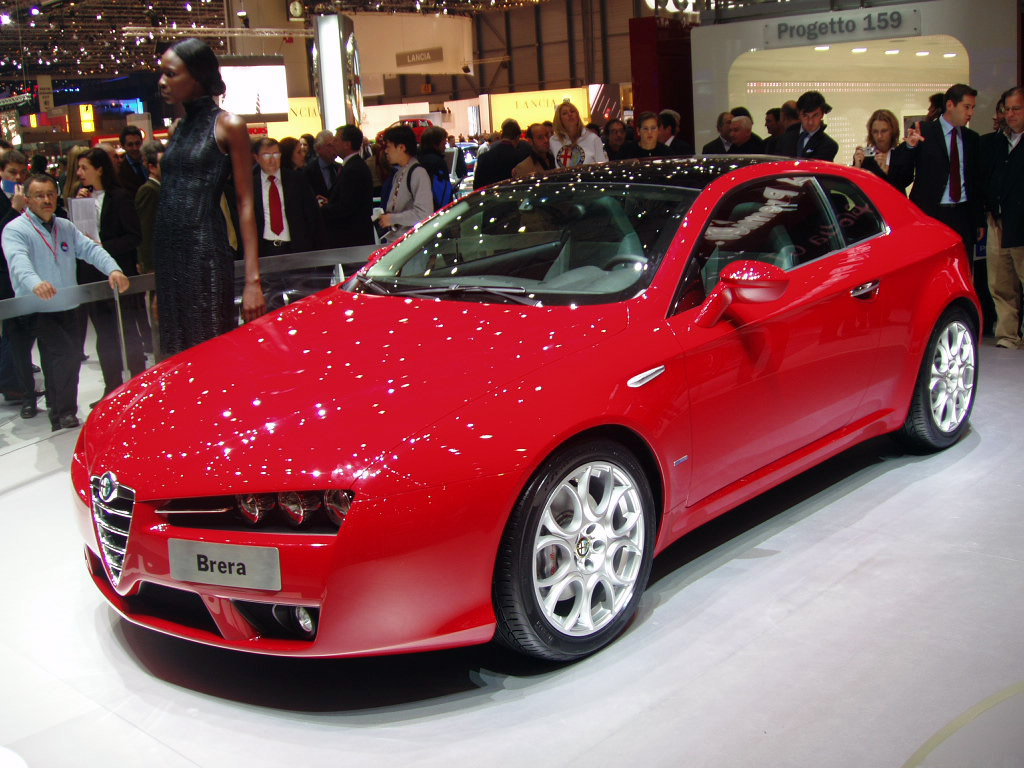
(689, 172)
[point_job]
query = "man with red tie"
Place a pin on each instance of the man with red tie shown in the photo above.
(287, 217)
(941, 157)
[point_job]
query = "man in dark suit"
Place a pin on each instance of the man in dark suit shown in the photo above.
(1002, 173)
(132, 172)
(497, 162)
(744, 140)
(789, 123)
(287, 219)
(942, 158)
(321, 171)
(810, 142)
(13, 170)
(146, 202)
(723, 143)
(350, 205)
(668, 134)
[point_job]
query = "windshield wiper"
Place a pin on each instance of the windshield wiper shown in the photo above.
(511, 293)
(371, 284)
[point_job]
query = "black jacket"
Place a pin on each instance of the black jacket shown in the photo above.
(820, 146)
(350, 206)
(714, 147)
(315, 178)
(497, 162)
(120, 236)
(632, 149)
(754, 146)
(300, 211)
(927, 165)
(1002, 175)
(6, 287)
(871, 165)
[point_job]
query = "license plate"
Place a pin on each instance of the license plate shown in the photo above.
(227, 565)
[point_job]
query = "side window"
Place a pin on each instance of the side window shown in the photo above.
(779, 221)
(858, 218)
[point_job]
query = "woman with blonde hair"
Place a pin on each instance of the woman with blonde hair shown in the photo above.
(883, 135)
(71, 182)
(571, 143)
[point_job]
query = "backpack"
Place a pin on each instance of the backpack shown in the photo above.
(440, 186)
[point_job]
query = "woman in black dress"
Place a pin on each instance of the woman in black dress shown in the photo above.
(874, 156)
(120, 235)
(193, 259)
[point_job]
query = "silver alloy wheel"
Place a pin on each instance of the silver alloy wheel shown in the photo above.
(588, 548)
(951, 384)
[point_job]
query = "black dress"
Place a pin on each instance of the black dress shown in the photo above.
(192, 258)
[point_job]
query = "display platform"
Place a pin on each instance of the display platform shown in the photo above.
(867, 613)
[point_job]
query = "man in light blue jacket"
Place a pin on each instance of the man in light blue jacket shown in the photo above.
(41, 249)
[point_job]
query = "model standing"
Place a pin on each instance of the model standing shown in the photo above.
(193, 257)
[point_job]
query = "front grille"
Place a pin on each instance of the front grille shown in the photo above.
(112, 507)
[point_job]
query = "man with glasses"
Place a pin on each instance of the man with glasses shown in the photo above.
(287, 216)
(1002, 171)
(41, 250)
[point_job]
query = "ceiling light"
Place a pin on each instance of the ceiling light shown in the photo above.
(949, 55)
(922, 53)
(241, 13)
(892, 51)
(858, 50)
(821, 47)
(34, 11)
(5, 18)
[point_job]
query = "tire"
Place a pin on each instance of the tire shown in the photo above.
(572, 565)
(945, 387)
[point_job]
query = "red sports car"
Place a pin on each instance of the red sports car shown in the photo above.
(494, 427)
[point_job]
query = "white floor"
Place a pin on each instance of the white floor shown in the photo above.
(867, 614)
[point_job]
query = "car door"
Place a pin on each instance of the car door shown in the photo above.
(770, 378)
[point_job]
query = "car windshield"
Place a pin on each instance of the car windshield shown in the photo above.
(549, 242)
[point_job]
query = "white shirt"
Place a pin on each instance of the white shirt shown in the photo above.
(1014, 139)
(587, 149)
(268, 234)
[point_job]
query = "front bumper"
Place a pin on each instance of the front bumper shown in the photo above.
(399, 576)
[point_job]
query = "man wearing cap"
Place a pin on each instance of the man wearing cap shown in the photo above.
(810, 142)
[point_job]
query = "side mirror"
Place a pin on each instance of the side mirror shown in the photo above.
(746, 282)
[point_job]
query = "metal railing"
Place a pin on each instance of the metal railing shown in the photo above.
(99, 291)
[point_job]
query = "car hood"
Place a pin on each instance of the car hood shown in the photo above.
(316, 394)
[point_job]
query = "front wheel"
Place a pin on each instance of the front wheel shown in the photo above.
(576, 554)
(944, 392)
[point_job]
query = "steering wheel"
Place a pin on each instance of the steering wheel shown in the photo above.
(620, 259)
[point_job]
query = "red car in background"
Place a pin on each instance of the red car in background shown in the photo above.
(495, 426)
(418, 125)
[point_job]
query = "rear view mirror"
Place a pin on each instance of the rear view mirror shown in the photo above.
(746, 282)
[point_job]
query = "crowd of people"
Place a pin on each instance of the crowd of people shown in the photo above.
(187, 211)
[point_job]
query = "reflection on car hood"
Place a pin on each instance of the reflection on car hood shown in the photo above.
(321, 389)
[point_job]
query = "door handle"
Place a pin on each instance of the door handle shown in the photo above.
(866, 291)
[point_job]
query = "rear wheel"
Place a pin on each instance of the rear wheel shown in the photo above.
(576, 554)
(944, 393)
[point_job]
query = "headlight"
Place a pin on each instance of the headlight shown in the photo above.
(337, 503)
(300, 506)
(299, 509)
(255, 506)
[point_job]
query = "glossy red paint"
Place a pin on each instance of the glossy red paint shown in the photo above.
(436, 414)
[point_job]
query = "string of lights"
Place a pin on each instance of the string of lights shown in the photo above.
(107, 38)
